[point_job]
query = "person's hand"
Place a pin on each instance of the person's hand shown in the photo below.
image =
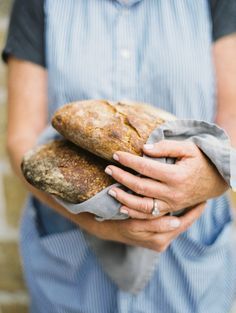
(156, 234)
(191, 180)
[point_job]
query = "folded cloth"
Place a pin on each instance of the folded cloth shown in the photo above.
(131, 267)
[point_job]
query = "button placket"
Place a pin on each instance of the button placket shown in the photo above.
(125, 58)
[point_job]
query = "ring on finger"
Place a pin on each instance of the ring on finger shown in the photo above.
(155, 208)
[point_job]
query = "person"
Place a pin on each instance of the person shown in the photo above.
(176, 55)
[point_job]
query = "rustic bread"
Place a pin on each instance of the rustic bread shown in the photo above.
(103, 127)
(62, 169)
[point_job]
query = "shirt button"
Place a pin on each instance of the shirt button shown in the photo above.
(125, 53)
(125, 12)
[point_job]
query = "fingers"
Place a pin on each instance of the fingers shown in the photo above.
(135, 214)
(191, 216)
(164, 224)
(157, 234)
(170, 148)
(136, 206)
(147, 167)
(159, 225)
(144, 186)
(138, 215)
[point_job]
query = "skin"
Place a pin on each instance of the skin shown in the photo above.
(27, 116)
(191, 180)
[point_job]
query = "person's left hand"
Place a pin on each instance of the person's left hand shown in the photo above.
(191, 180)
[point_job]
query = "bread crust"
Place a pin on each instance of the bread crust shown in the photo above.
(103, 127)
(62, 169)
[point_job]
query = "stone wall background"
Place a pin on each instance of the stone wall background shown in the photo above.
(13, 294)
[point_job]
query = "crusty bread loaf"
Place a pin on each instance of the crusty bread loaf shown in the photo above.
(62, 169)
(103, 127)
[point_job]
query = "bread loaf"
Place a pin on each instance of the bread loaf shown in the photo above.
(103, 127)
(62, 169)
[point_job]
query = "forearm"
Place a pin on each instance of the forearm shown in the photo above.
(227, 122)
(225, 64)
(27, 117)
(16, 151)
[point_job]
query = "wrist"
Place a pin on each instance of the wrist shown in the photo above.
(106, 230)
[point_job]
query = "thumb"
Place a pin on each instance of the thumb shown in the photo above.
(191, 216)
(169, 148)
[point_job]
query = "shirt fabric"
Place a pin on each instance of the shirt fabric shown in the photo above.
(152, 51)
(26, 37)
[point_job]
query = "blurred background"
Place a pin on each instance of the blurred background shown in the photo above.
(13, 294)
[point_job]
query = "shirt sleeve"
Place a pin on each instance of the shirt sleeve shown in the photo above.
(223, 17)
(25, 39)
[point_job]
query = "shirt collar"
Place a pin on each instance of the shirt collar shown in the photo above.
(128, 3)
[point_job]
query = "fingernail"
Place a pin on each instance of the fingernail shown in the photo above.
(112, 193)
(175, 223)
(124, 211)
(148, 146)
(115, 157)
(108, 171)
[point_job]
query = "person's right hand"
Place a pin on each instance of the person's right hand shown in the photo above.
(155, 234)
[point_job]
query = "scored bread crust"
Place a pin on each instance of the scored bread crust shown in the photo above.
(103, 127)
(62, 169)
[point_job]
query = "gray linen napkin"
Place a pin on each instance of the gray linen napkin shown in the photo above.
(131, 267)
